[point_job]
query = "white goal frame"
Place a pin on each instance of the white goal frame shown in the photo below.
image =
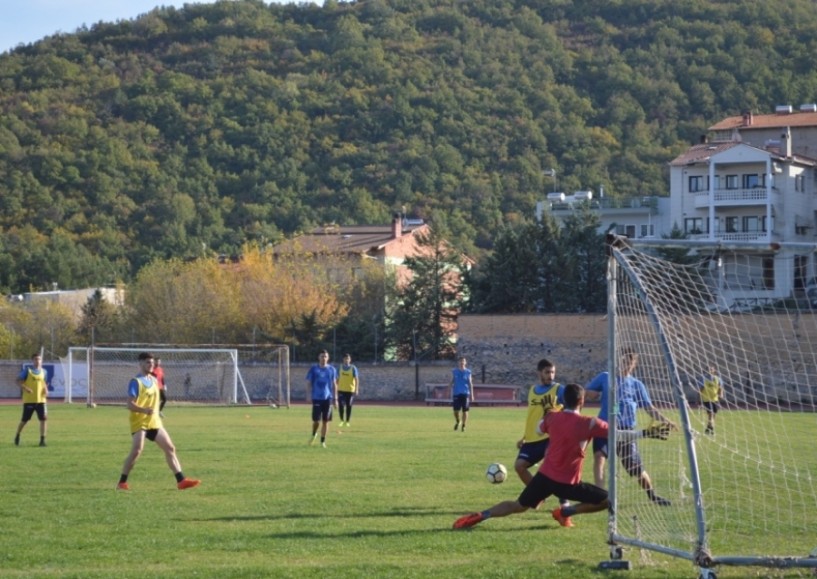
(676, 331)
(85, 376)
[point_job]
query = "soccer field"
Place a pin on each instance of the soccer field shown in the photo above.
(378, 502)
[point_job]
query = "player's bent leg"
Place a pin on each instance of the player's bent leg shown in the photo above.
(166, 444)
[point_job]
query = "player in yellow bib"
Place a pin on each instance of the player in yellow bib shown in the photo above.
(33, 382)
(146, 423)
(348, 387)
(542, 398)
(711, 395)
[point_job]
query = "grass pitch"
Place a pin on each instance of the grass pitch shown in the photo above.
(378, 502)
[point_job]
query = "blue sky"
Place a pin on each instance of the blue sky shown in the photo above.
(25, 21)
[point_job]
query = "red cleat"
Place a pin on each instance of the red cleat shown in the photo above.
(123, 487)
(187, 483)
(468, 521)
(564, 521)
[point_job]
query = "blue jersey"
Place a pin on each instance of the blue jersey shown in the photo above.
(462, 382)
(323, 381)
(600, 384)
(631, 394)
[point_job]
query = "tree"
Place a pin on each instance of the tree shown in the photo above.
(585, 253)
(99, 320)
(423, 317)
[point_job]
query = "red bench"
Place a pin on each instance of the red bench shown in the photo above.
(484, 394)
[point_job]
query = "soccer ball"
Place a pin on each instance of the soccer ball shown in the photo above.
(496, 473)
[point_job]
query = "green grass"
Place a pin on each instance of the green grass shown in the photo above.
(379, 502)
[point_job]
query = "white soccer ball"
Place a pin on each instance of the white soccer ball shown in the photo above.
(496, 473)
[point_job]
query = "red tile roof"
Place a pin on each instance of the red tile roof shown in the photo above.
(354, 239)
(793, 119)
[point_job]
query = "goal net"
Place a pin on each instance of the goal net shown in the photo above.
(100, 375)
(742, 486)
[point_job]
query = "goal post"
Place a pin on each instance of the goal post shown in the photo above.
(212, 374)
(742, 480)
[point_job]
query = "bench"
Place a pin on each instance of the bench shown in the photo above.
(484, 394)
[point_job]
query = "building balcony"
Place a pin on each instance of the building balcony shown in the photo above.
(647, 205)
(725, 237)
(736, 197)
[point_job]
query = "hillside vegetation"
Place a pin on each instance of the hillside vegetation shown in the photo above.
(188, 132)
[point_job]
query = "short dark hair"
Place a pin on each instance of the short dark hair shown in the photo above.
(573, 393)
(347, 355)
(323, 352)
(36, 355)
(544, 363)
(145, 356)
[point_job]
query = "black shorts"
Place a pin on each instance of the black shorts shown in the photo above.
(712, 407)
(533, 452)
(29, 408)
(461, 402)
(322, 410)
(541, 487)
(346, 398)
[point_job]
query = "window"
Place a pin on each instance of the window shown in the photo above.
(751, 224)
(694, 225)
(731, 181)
(731, 225)
(629, 231)
(648, 230)
(751, 181)
(696, 183)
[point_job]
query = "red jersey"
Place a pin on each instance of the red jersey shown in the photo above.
(159, 373)
(570, 433)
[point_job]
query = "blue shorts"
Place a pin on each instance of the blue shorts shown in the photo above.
(630, 458)
(541, 487)
(322, 410)
(533, 452)
(600, 445)
(461, 402)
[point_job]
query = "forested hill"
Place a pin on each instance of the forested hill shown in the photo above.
(190, 131)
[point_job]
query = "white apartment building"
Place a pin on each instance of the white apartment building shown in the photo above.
(635, 217)
(753, 182)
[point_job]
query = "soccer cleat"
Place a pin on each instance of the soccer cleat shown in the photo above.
(17, 440)
(123, 486)
(42, 443)
(468, 521)
(660, 501)
(313, 439)
(187, 483)
(564, 521)
(463, 428)
(456, 426)
(323, 445)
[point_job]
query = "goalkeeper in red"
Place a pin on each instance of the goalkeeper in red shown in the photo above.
(145, 423)
(560, 471)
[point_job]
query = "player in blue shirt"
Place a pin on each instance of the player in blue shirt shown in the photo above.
(462, 391)
(322, 391)
(631, 394)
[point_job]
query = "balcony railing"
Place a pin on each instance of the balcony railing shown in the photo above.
(742, 236)
(735, 197)
(648, 203)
